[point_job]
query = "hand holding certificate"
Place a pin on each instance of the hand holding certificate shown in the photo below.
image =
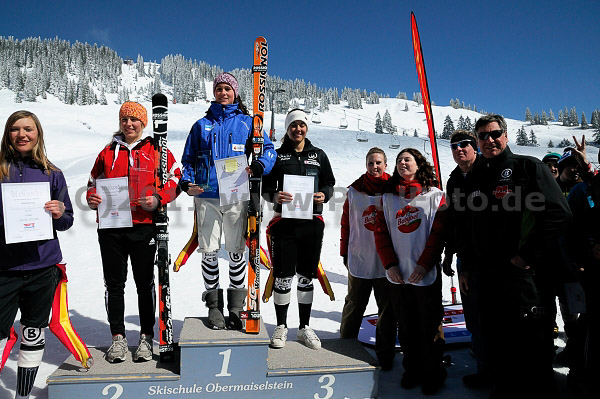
(301, 189)
(25, 216)
(114, 208)
(233, 179)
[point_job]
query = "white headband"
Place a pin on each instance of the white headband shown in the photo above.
(295, 115)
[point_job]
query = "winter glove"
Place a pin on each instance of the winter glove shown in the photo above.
(185, 185)
(257, 169)
(345, 259)
(447, 266)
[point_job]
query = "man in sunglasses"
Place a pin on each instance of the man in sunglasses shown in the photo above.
(464, 151)
(515, 214)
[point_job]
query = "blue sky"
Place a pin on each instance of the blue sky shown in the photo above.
(502, 56)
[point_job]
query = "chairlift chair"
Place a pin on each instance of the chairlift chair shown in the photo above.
(315, 118)
(395, 144)
(361, 136)
(343, 122)
(426, 147)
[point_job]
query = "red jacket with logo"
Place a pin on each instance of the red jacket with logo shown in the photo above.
(139, 165)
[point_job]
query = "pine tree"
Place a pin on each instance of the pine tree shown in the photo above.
(596, 125)
(405, 107)
(415, 134)
(140, 65)
(417, 98)
(550, 144)
(528, 117)
(560, 115)
(584, 124)
(573, 118)
(544, 118)
(102, 99)
(551, 117)
(378, 124)
(387, 122)
(448, 128)
(566, 118)
(468, 124)
(536, 119)
(461, 123)
(522, 137)
(533, 139)
(564, 143)
(595, 119)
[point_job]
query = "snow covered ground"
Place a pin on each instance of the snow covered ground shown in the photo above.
(75, 134)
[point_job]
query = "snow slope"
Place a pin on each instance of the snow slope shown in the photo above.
(75, 134)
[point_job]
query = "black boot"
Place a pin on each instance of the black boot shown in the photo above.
(214, 303)
(236, 299)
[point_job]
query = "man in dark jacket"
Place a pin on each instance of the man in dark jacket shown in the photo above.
(515, 215)
(464, 151)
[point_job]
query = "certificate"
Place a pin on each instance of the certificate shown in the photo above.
(233, 179)
(115, 210)
(302, 189)
(25, 218)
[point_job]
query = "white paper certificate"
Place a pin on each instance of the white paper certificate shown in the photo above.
(114, 211)
(302, 189)
(233, 179)
(24, 216)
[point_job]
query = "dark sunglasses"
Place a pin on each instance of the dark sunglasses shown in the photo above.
(461, 144)
(494, 134)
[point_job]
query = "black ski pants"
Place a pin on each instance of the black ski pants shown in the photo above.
(116, 247)
(32, 292)
(516, 323)
(419, 312)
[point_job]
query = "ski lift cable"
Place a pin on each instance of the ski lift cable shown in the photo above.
(364, 118)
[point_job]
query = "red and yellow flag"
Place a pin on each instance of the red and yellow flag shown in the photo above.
(61, 326)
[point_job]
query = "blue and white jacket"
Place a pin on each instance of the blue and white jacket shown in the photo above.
(224, 132)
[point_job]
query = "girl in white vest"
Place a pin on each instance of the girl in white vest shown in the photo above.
(409, 237)
(365, 271)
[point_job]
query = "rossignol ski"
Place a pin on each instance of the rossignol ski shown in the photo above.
(161, 221)
(259, 74)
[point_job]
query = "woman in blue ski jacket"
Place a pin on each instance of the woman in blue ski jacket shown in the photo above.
(225, 131)
(28, 269)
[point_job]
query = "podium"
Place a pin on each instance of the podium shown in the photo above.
(222, 364)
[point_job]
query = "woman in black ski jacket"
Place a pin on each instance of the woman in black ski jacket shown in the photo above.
(295, 244)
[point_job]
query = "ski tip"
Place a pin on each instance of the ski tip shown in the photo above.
(159, 99)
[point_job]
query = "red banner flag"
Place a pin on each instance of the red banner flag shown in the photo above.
(420, 63)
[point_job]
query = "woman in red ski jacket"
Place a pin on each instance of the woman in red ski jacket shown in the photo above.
(129, 155)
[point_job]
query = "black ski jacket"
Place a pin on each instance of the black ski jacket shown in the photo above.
(457, 188)
(515, 207)
(312, 161)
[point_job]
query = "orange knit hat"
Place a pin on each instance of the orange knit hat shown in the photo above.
(135, 110)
